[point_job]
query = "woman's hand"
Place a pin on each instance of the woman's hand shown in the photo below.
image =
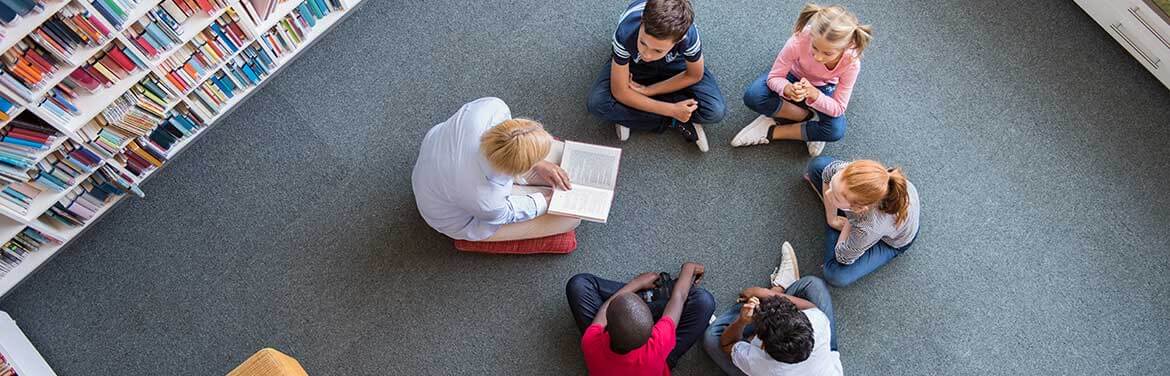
(553, 174)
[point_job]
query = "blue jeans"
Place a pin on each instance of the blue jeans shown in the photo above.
(763, 100)
(588, 292)
(809, 288)
(712, 106)
(836, 273)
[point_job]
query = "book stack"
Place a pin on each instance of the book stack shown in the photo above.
(82, 204)
(13, 252)
(67, 165)
(290, 32)
(131, 115)
(12, 10)
(208, 49)
(27, 67)
(114, 11)
(71, 29)
(7, 108)
(21, 144)
(19, 196)
(160, 31)
(145, 154)
(244, 71)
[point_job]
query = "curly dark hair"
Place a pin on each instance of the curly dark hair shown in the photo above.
(668, 19)
(786, 332)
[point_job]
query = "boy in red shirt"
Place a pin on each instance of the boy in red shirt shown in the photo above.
(623, 335)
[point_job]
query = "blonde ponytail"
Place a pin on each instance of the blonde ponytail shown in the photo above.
(806, 14)
(836, 25)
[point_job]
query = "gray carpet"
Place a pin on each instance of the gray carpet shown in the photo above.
(1038, 146)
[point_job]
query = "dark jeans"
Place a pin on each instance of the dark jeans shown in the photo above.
(712, 106)
(588, 292)
(836, 273)
(763, 100)
(809, 288)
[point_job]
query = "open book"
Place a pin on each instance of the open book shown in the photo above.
(593, 172)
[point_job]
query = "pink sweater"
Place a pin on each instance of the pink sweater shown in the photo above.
(797, 57)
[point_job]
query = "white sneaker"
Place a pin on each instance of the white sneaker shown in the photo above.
(622, 131)
(787, 273)
(815, 147)
(755, 133)
(702, 141)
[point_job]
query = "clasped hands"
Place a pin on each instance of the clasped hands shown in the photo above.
(680, 110)
(801, 91)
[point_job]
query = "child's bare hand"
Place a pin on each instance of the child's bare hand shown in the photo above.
(749, 309)
(811, 93)
(793, 91)
(682, 111)
(639, 88)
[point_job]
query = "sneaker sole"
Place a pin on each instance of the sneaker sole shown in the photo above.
(702, 141)
(736, 142)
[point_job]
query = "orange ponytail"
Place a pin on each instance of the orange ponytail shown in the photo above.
(872, 183)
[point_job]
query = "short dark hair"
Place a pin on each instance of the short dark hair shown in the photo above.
(786, 332)
(629, 323)
(668, 19)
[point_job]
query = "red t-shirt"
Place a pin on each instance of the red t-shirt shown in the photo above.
(648, 360)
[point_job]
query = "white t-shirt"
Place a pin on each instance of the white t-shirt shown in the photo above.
(754, 361)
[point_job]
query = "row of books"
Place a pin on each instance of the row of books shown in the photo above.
(246, 70)
(64, 167)
(291, 31)
(196, 59)
(81, 205)
(160, 30)
(113, 65)
(27, 67)
(133, 114)
(7, 108)
(13, 10)
(13, 253)
(145, 154)
(70, 29)
(115, 11)
(21, 145)
(259, 10)
(19, 196)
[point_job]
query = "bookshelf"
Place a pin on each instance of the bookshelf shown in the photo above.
(114, 136)
(18, 352)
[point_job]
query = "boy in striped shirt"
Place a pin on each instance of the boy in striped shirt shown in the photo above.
(656, 79)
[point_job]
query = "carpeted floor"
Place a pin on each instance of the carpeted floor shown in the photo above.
(1037, 143)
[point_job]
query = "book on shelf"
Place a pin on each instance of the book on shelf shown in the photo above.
(161, 29)
(198, 58)
(7, 108)
(147, 153)
(13, 10)
(112, 65)
(115, 11)
(66, 166)
(19, 196)
(70, 29)
(593, 172)
(15, 250)
(83, 203)
(27, 67)
(22, 143)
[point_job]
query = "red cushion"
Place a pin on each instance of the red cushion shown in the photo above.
(560, 243)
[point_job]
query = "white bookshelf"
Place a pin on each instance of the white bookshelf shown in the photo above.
(11, 222)
(19, 351)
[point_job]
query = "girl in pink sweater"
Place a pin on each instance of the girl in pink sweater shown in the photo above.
(812, 75)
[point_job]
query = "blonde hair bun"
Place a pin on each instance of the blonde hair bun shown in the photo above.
(515, 145)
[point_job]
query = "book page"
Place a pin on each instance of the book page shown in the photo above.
(591, 165)
(583, 202)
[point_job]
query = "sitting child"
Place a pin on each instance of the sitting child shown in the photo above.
(785, 330)
(815, 72)
(463, 179)
(647, 85)
(623, 335)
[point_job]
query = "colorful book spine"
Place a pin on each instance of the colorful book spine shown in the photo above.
(12, 253)
(92, 195)
(19, 196)
(72, 28)
(26, 68)
(197, 59)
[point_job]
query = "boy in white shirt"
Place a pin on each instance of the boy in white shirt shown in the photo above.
(785, 330)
